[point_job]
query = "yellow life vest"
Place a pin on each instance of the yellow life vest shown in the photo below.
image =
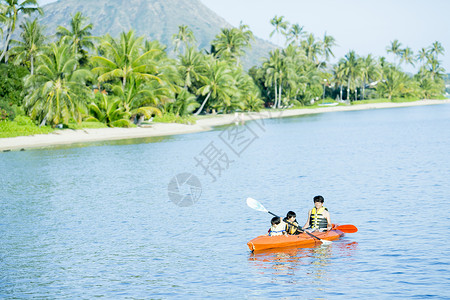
(291, 229)
(317, 220)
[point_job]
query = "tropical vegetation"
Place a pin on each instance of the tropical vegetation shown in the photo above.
(73, 77)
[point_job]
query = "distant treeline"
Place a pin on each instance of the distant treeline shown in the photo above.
(73, 76)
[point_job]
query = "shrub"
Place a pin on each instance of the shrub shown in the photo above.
(172, 118)
(3, 114)
(122, 123)
(24, 121)
(7, 110)
(11, 85)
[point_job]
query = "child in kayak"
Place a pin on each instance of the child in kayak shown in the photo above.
(318, 217)
(289, 220)
(278, 227)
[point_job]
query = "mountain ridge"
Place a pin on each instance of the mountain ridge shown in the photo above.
(155, 19)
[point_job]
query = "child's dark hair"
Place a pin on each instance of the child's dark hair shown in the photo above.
(275, 220)
(318, 199)
(290, 214)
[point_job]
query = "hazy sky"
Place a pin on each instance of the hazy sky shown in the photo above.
(366, 26)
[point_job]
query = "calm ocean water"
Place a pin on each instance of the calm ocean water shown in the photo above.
(97, 221)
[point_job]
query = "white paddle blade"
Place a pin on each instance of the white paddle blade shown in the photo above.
(325, 242)
(252, 203)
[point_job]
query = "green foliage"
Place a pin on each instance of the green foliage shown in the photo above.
(13, 129)
(11, 85)
(57, 90)
(6, 111)
(172, 118)
(230, 43)
(122, 123)
(12, 10)
(24, 121)
(185, 104)
(142, 81)
(78, 37)
(109, 111)
(253, 102)
(147, 111)
(85, 125)
(124, 59)
(30, 45)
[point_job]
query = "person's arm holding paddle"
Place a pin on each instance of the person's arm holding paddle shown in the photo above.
(307, 221)
(326, 214)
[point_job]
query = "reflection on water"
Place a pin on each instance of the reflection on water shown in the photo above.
(121, 142)
(313, 262)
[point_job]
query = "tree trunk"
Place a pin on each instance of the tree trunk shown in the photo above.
(348, 90)
(203, 104)
(43, 122)
(32, 65)
(279, 94)
(5, 49)
(276, 98)
(364, 90)
(341, 93)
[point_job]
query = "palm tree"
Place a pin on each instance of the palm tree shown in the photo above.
(230, 43)
(109, 111)
(56, 92)
(393, 84)
(434, 68)
(123, 59)
(328, 43)
(339, 76)
(437, 49)
(185, 103)
(30, 46)
(12, 9)
(351, 69)
(407, 56)
(428, 87)
(295, 34)
(184, 36)
(217, 83)
(252, 101)
(3, 18)
(369, 71)
(312, 48)
(422, 55)
(395, 49)
(274, 67)
(140, 93)
(280, 26)
(79, 35)
(191, 65)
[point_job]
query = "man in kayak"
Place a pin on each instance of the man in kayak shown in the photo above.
(318, 217)
(292, 227)
(278, 227)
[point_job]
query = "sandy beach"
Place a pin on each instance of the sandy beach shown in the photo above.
(68, 136)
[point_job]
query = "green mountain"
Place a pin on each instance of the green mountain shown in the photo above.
(156, 19)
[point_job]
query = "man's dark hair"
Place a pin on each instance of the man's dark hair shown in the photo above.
(318, 199)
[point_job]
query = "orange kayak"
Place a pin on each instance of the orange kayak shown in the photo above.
(302, 240)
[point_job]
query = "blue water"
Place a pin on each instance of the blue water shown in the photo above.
(97, 221)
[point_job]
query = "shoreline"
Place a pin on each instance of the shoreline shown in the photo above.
(69, 136)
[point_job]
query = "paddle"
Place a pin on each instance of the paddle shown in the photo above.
(252, 203)
(347, 228)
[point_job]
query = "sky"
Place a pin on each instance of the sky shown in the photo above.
(366, 26)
